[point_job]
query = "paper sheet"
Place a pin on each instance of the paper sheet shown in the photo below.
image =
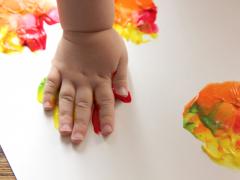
(198, 44)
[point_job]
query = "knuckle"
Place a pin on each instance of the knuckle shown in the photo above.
(51, 83)
(105, 77)
(106, 101)
(66, 97)
(83, 103)
(65, 116)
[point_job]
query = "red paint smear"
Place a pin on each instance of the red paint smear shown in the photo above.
(126, 99)
(236, 126)
(51, 17)
(238, 144)
(31, 31)
(146, 21)
(34, 38)
(96, 119)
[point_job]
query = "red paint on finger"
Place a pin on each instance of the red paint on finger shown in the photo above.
(125, 99)
(96, 119)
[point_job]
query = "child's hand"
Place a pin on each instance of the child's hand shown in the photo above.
(82, 72)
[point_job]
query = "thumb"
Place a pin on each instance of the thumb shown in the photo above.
(120, 85)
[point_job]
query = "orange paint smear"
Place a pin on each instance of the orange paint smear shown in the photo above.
(213, 117)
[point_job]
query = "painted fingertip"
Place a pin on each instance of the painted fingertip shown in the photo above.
(125, 99)
(122, 92)
(47, 106)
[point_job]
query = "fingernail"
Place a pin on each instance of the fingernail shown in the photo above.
(125, 99)
(107, 129)
(65, 128)
(77, 137)
(122, 91)
(47, 105)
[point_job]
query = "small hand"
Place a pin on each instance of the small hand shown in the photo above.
(82, 72)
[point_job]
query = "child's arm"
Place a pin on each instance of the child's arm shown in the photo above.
(86, 15)
(89, 52)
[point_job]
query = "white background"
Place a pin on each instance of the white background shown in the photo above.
(198, 44)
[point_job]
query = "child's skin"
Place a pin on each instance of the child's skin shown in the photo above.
(88, 54)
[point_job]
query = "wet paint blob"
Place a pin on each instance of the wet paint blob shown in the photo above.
(213, 117)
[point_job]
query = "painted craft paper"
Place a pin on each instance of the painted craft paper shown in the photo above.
(22, 22)
(213, 117)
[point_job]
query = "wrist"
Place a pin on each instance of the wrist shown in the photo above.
(81, 36)
(86, 15)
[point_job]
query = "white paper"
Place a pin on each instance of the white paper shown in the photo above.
(198, 44)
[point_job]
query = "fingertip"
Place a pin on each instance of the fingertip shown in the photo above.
(65, 130)
(48, 106)
(126, 98)
(106, 130)
(77, 138)
(122, 91)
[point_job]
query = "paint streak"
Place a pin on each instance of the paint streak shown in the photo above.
(96, 119)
